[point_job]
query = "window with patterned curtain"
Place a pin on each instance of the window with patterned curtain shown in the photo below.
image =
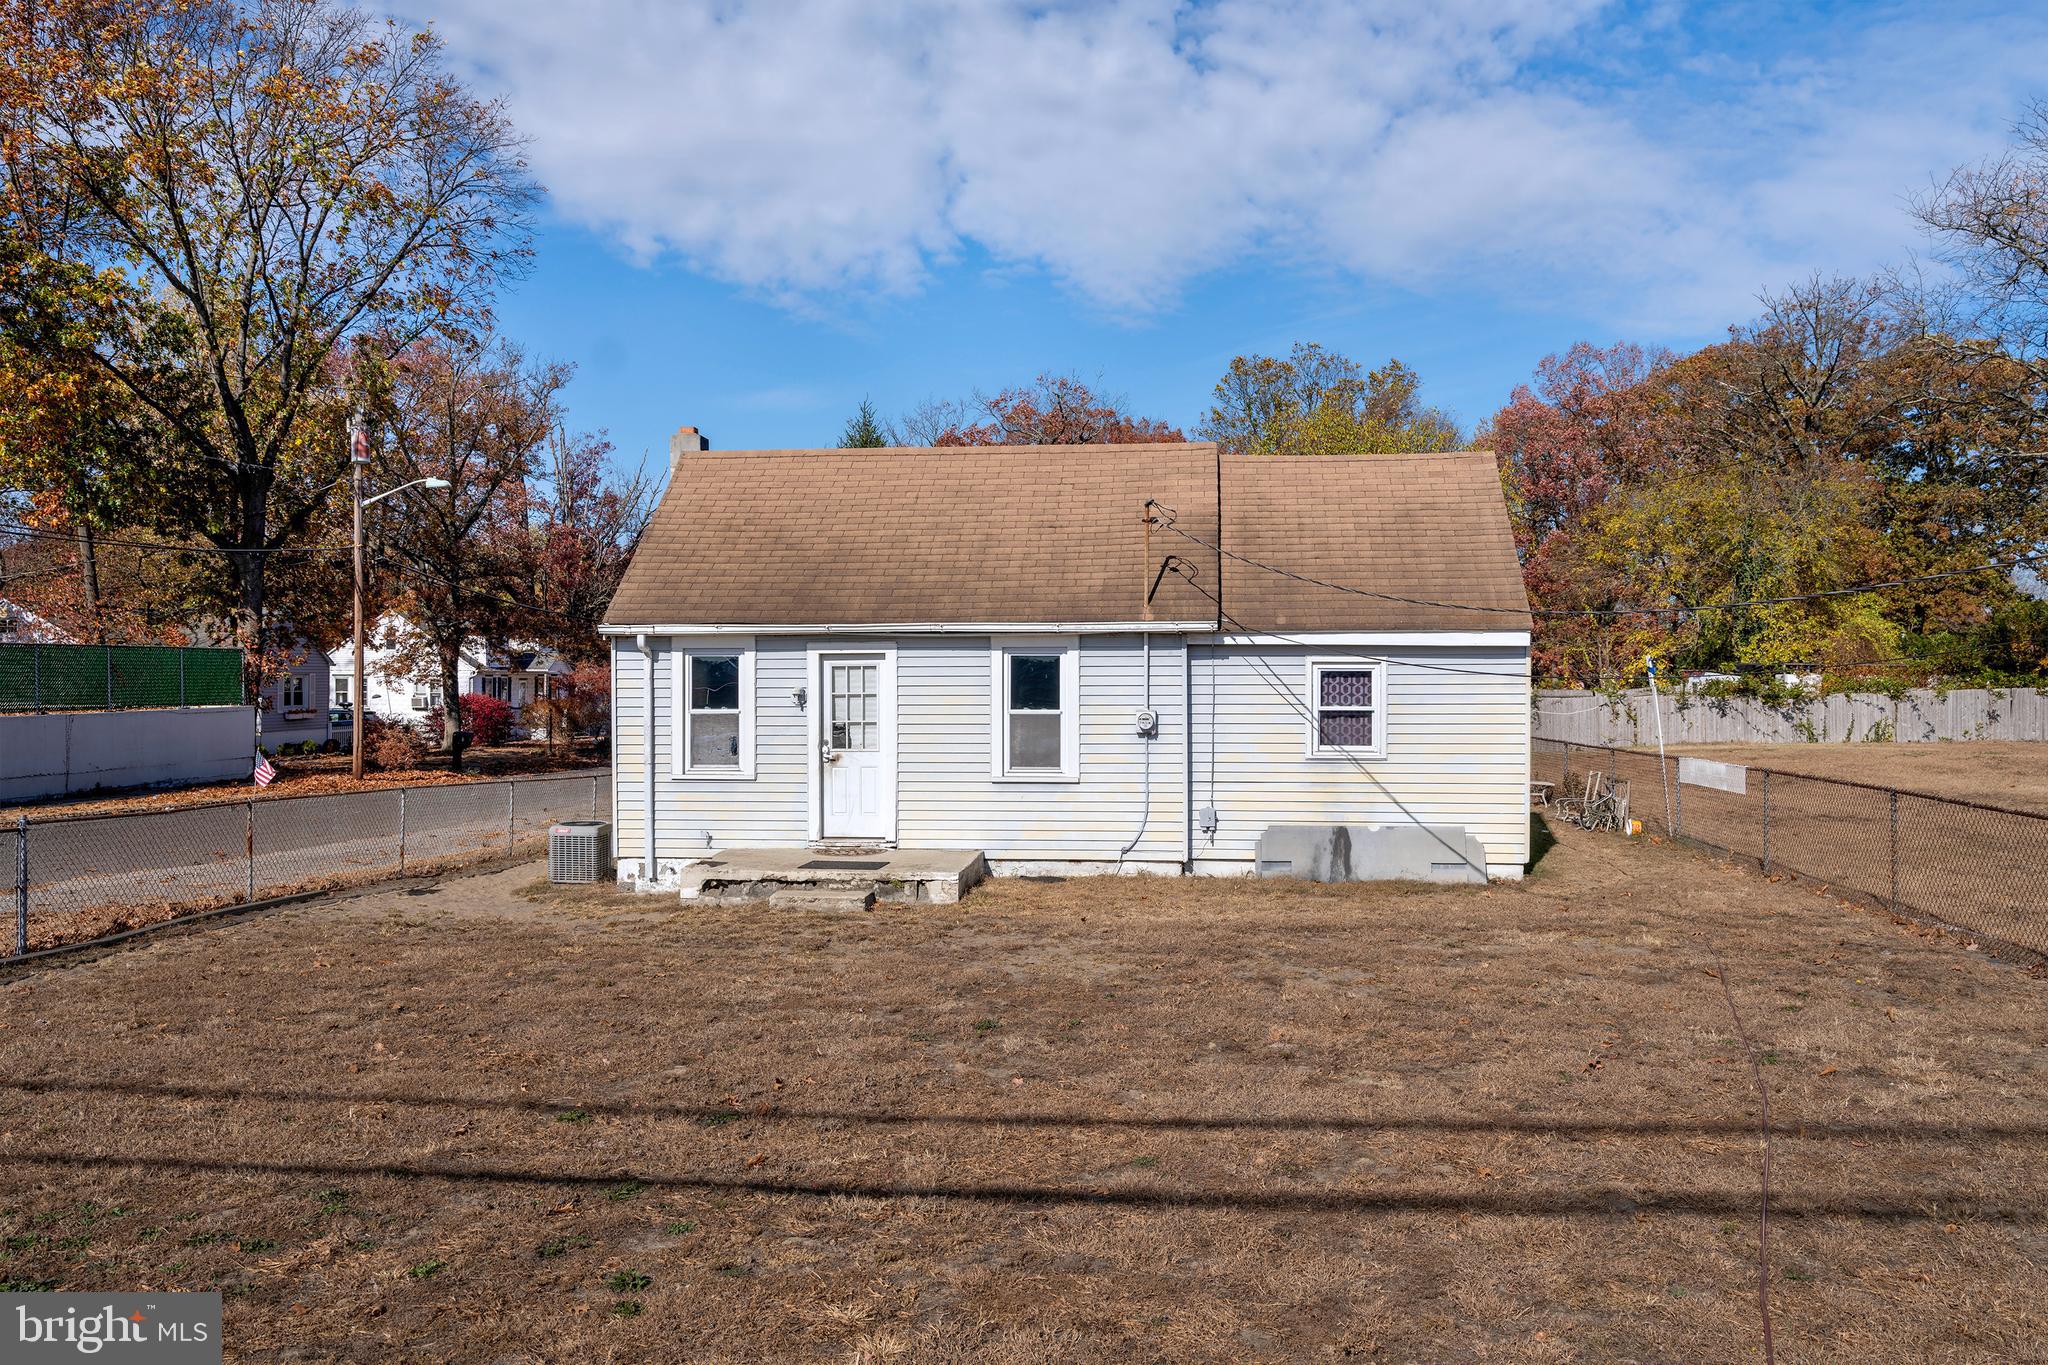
(1348, 698)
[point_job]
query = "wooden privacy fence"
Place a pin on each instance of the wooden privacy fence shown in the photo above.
(1923, 714)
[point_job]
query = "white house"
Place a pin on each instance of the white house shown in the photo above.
(517, 673)
(20, 626)
(1068, 658)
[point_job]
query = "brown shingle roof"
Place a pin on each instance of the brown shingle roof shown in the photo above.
(1431, 527)
(1010, 534)
(1052, 534)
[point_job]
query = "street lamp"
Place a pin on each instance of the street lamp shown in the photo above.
(359, 458)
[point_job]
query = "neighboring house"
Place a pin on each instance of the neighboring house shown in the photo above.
(518, 673)
(20, 626)
(992, 649)
(292, 708)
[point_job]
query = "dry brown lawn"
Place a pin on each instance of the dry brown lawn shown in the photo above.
(2000, 772)
(1123, 1119)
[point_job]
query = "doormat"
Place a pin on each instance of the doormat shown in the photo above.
(843, 864)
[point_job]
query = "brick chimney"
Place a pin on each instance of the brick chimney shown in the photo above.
(686, 441)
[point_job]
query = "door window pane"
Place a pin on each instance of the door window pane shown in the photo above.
(1034, 682)
(856, 707)
(715, 682)
(1035, 739)
(715, 740)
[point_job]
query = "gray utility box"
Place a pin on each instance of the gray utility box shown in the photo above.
(1363, 853)
(580, 851)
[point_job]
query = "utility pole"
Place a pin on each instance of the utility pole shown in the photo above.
(359, 459)
(358, 456)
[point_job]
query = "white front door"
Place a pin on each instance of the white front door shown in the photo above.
(856, 749)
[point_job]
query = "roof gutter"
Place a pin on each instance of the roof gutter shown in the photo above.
(917, 628)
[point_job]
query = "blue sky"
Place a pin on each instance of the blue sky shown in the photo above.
(760, 214)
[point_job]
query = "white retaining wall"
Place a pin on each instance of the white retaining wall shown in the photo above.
(77, 751)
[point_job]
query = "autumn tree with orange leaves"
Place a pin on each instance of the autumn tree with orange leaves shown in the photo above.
(238, 196)
(1830, 442)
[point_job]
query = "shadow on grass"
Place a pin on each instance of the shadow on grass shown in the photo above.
(1600, 1202)
(1910, 1130)
(1541, 840)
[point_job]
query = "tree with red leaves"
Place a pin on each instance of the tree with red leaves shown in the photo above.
(1052, 410)
(578, 524)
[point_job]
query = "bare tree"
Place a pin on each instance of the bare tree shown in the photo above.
(1990, 225)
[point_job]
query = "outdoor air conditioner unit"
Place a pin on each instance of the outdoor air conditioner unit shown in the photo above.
(580, 851)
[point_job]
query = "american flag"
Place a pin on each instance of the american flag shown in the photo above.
(265, 774)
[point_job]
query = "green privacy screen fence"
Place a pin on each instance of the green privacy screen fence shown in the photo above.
(116, 677)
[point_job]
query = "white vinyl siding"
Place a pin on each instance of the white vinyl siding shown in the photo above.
(948, 798)
(1452, 729)
(1455, 751)
(769, 810)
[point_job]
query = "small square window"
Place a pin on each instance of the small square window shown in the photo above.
(1347, 701)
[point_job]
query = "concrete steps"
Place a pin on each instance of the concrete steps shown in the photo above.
(838, 899)
(791, 876)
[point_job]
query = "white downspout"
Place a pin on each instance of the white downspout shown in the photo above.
(647, 867)
(1187, 759)
(611, 749)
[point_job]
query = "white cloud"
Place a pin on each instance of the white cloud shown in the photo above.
(809, 148)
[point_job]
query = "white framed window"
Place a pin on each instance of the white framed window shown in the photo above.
(1035, 711)
(713, 708)
(343, 687)
(1348, 702)
(292, 691)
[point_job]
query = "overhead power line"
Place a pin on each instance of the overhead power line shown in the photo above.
(71, 538)
(1997, 565)
(1338, 651)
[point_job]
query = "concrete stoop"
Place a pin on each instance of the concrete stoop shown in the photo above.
(823, 898)
(833, 878)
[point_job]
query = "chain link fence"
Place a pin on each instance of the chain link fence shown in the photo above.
(82, 877)
(1965, 864)
(36, 677)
